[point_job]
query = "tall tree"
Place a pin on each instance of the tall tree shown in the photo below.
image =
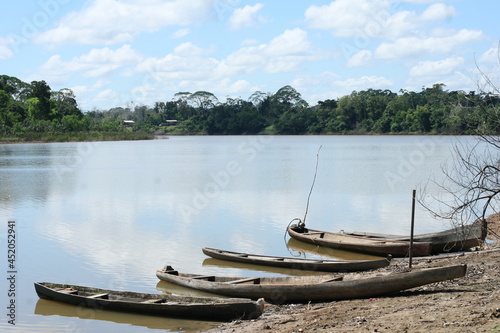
(41, 109)
(289, 96)
(65, 103)
(15, 88)
(203, 100)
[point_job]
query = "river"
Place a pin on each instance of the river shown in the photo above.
(108, 214)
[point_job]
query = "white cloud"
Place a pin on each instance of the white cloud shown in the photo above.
(124, 55)
(454, 81)
(284, 53)
(246, 17)
(249, 42)
(54, 70)
(438, 12)
(419, 2)
(186, 62)
(80, 90)
(189, 68)
(365, 82)
(181, 33)
(372, 19)
(307, 86)
(347, 18)
(291, 42)
(492, 55)
(5, 51)
(188, 49)
(362, 58)
(438, 68)
(333, 86)
(416, 47)
(96, 63)
(109, 22)
(108, 95)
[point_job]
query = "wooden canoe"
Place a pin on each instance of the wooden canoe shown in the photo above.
(298, 263)
(456, 239)
(204, 308)
(310, 288)
(359, 244)
(46, 307)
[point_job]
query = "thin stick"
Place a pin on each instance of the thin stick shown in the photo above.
(412, 228)
(314, 181)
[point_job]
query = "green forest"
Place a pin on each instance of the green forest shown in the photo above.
(33, 112)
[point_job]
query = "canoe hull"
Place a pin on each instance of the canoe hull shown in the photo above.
(380, 247)
(202, 308)
(298, 263)
(452, 240)
(288, 290)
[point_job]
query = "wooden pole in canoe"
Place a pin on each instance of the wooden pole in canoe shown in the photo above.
(412, 227)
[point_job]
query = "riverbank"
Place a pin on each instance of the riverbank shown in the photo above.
(46, 137)
(469, 304)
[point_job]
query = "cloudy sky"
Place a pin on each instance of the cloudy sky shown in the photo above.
(117, 52)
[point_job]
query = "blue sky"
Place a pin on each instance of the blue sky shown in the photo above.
(120, 52)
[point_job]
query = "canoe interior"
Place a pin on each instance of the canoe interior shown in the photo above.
(126, 296)
(273, 280)
(452, 240)
(322, 265)
(278, 259)
(454, 234)
(347, 239)
(395, 248)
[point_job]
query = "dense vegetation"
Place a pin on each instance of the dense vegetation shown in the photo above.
(34, 112)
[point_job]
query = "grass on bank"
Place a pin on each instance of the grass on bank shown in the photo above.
(74, 136)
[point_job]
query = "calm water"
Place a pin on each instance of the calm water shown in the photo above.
(109, 214)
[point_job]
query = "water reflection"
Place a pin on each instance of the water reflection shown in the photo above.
(53, 308)
(257, 268)
(29, 173)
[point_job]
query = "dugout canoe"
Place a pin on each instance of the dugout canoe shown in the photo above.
(203, 308)
(456, 239)
(310, 288)
(381, 247)
(298, 263)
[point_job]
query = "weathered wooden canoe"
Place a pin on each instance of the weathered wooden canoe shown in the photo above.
(310, 288)
(46, 307)
(298, 263)
(452, 240)
(358, 244)
(205, 308)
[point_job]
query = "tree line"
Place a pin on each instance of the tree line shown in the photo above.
(33, 111)
(35, 108)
